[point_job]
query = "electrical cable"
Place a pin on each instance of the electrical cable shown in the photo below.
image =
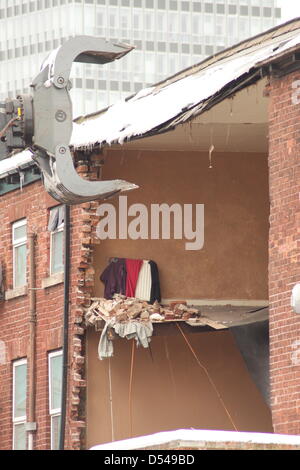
(208, 376)
(130, 386)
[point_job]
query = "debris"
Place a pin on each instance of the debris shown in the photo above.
(129, 318)
(156, 317)
(144, 316)
(124, 309)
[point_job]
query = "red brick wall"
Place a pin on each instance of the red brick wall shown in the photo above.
(14, 313)
(284, 253)
(33, 203)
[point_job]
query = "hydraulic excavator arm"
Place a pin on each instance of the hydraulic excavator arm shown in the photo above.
(43, 122)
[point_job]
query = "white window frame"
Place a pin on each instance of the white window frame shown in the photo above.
(60, 228)
(17, 242)
(21, 419)
(54, 412)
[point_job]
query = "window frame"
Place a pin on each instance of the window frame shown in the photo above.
(20, 419)
(59, 229)
(53, 412)
(16, 243)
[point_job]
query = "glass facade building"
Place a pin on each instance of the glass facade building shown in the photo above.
(168, 35)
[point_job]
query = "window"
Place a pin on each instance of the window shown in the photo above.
(185, 6)
(185, 48)
(161, 4)
(208, 7)
(56, 227)
(267, 12)
(173, 26)
(55, 383)
(19, 239)
(209, 25)
(220, 25)
(277, 12)
(90, 83)
(255, 11)
(19, 404)
(220, 8)
(244, 28)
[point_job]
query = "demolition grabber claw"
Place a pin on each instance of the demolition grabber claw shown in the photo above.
(43, 123)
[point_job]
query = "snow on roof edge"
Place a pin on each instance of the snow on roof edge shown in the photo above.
(155, 108)
(17, 161)
(198, 436)
(208, 60)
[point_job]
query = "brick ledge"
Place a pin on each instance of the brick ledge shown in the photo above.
(17, 292)
(53, 280)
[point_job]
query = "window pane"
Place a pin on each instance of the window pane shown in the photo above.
(20, 265)
(57, 264)
(19, 437)
(209, 24)
(20, 391)
(19, 232)
(55, 432)
(56, 377)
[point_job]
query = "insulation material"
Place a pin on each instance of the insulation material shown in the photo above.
(253, 342)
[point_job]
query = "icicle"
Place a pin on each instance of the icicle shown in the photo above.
(22, 179)
(228, 134)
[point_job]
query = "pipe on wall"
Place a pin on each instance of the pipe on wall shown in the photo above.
(67, 237)
(31, 424)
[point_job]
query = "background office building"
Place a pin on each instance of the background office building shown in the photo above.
(168, 35)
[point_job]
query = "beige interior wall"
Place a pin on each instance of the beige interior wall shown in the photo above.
(233, 261)
(169, 389)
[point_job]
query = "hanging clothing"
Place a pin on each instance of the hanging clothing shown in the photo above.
(140, 331)
(133, 267)
(155, 285)
(114, 278)
(56, 218)
(144, 282)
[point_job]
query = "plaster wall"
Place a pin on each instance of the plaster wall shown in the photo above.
(233, 261)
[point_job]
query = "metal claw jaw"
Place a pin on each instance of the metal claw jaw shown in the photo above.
(64, 184)
(52, 118)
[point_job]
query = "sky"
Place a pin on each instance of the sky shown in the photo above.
(289, 9)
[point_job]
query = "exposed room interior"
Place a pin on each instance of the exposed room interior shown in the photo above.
(218, 159)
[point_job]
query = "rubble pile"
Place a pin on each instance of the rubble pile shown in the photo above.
(124, 309)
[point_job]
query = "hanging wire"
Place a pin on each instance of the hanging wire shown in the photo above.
(7, 126)
(130, 386)
(111, 401)
(208, 376)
